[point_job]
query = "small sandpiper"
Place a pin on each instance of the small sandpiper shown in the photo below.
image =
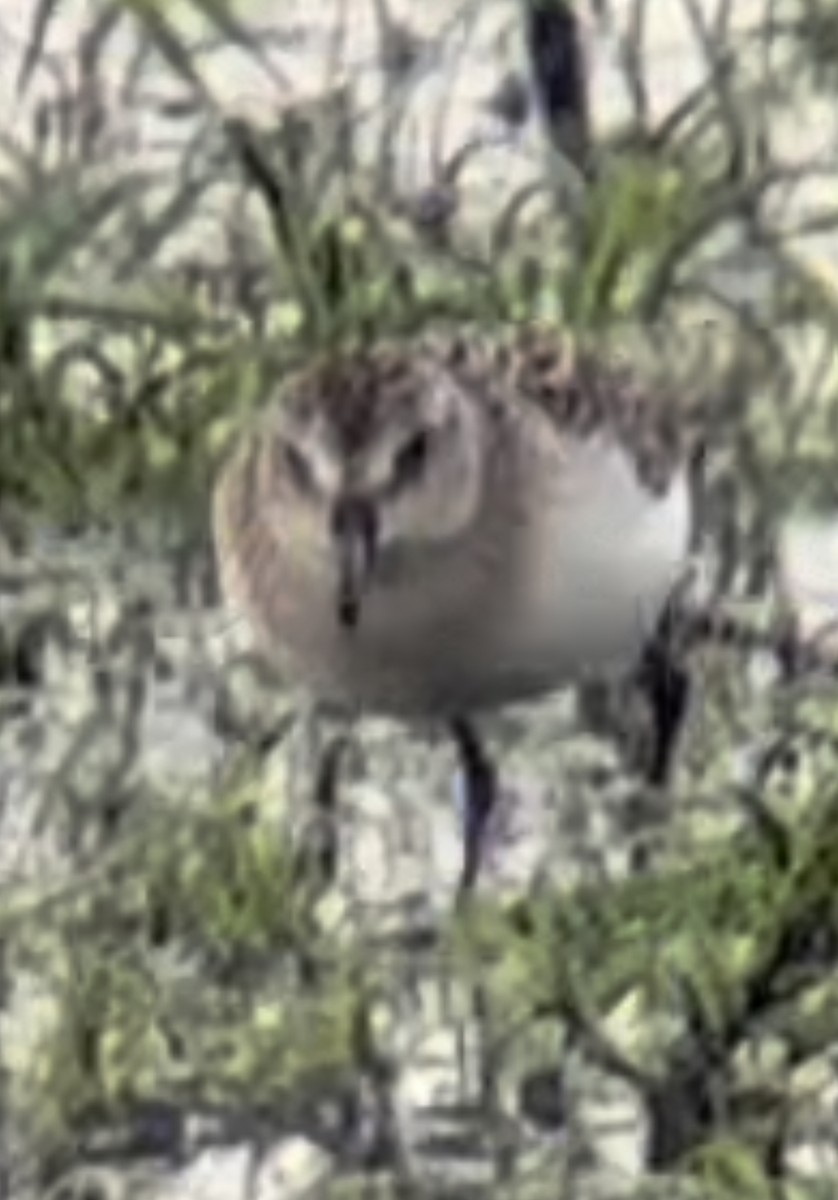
(444, 525)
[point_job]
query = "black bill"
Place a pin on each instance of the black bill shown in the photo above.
(354, 533)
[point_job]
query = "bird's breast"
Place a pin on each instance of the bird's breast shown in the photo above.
(571, 584)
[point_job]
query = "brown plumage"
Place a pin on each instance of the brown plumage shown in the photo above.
(453, 523)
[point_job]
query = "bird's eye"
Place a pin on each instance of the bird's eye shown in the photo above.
(298, 468)
(410, 461)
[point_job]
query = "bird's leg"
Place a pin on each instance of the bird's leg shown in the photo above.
(665, 683)
(480, 790)
(318, 858)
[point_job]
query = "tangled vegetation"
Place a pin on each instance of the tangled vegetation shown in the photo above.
(164, 962)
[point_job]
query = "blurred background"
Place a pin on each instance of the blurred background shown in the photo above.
(195, 196)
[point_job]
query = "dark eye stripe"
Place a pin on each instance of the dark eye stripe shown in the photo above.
(297, 466)
(410, 461)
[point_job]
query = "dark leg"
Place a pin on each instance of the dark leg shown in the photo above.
(319, 856)
(666, 685)
(480, 795)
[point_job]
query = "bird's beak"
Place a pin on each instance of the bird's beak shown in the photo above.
(354, 531)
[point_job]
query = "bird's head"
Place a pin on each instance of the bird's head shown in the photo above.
(372, 460)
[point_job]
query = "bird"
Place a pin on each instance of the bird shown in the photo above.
(442, 524)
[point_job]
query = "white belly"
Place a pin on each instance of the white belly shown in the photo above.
(602, 564)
